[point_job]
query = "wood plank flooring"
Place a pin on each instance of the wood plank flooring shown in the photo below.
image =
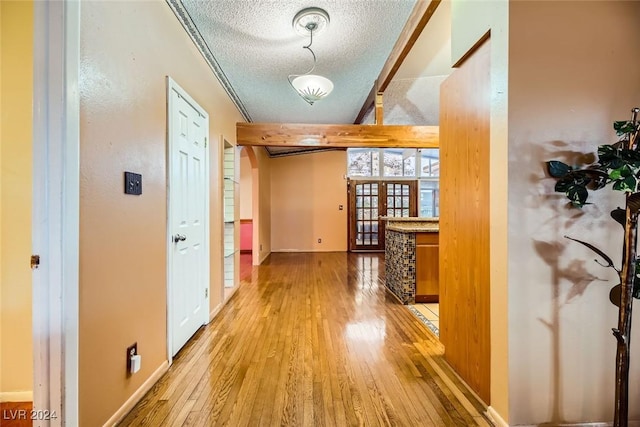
(16, 414)
(311, 339)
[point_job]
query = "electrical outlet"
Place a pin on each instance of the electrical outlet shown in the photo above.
(319, 240)
(132, 350)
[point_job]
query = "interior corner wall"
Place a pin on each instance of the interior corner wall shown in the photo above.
(306, 192)
(127, 50)
(16, 89)
(470, 22)
(574, 68)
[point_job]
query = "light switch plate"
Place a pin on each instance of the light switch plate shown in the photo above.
(132, 183)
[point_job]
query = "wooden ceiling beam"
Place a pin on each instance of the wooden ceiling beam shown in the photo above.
(420, 16)
(336, 136)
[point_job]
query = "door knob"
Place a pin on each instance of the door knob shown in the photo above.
(179, 238)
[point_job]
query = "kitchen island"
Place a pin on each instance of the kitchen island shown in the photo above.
(411, 258)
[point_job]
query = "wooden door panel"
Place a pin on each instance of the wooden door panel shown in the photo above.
(464, 221)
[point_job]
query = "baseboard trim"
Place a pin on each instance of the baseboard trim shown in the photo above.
(264, 257)
(307, 251)
(137, 395)
(630, 424)
(499, 422)
(496, 418)
(232, 293)
(213, 313)
(16, 396)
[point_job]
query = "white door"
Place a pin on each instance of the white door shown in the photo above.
(188, 195)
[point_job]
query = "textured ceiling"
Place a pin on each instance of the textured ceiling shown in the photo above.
(255, 46)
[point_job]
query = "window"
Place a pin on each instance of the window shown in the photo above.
(429, 162)
(429, 198)
(363, 162)
(421, 164)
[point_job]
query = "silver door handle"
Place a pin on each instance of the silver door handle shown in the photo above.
(179, 238)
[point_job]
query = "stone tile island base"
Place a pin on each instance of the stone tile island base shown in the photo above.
(400, 254)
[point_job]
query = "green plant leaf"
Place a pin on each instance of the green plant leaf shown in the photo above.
(616, 163)
(558, 169)
(607, 151)
(609, 156)
(580, 178)
(630, 157)
(578, 195)
(615, 174)
(623, 127)
(563, 185)
(618, 185)
(623, 171)
(604, 256)
(628, 184)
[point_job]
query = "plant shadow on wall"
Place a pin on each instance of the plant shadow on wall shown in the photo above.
(576, 274)
(553, 217)
(618, 168)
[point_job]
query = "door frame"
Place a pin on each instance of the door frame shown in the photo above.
(382, 207)
(173, 86)
(56, 207)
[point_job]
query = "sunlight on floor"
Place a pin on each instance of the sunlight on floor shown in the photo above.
(429, 314)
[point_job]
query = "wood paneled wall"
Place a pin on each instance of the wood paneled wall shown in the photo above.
(464, 220)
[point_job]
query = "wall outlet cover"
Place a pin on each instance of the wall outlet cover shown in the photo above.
(132, 183)
(132, 350)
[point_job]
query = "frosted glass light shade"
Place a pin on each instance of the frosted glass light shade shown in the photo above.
(312, 87)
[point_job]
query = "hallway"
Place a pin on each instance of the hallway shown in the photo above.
(311, 339)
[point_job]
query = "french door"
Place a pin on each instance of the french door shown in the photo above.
(371, 199)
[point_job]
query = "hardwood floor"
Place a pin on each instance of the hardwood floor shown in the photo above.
(311, 340)
(16, 414)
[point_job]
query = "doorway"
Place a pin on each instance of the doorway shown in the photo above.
(188, 217)
(250, 205)
(371, 199)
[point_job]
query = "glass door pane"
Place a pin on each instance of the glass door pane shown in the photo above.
(363, 216)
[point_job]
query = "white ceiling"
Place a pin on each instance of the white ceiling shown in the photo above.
(255, 48)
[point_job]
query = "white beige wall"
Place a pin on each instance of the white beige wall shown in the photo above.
(574, 68)
(127, 50)
(470, 21)
(246, 186)
(306, 192)
(16, 89)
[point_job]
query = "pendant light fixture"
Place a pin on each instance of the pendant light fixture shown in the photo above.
(311, 87)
